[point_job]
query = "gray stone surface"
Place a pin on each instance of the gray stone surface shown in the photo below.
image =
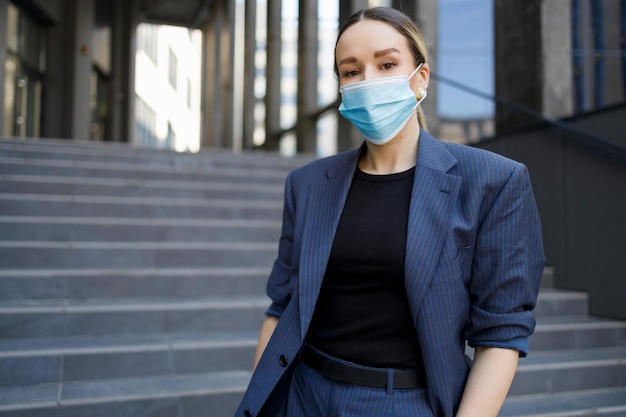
(124, 294)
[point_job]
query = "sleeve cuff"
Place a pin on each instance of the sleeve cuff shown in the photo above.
(275, 310)
(520, 344)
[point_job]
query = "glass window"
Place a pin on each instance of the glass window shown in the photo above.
(99, 105)
(170, 141)
(9, 96)
(173, 70)
(13, 37)
(465, 56)
(102, 36)
(102, 48)
(188, 93)
(22, 100)
(24, 67)
(25, 38)
(145, 124)
(147, 40)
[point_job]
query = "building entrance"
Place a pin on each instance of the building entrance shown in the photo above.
(24, 68)
(22, 101)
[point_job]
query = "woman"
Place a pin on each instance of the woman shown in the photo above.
(395, 254)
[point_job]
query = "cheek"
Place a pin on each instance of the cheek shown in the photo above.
(415, 86)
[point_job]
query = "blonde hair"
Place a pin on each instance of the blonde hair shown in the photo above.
(407, 28)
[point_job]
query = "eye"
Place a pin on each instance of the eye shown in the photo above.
(349, 73)
(388, 65)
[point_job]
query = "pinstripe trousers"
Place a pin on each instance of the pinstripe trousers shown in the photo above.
(313, 395)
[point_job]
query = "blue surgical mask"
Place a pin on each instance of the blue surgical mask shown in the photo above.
(379, 107)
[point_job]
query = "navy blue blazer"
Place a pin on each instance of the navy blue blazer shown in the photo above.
(474, 261)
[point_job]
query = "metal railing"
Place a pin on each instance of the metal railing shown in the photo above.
(592, 139)
(589, 138)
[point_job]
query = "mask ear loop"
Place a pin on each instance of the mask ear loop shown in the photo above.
(416, 69)
(421, 93)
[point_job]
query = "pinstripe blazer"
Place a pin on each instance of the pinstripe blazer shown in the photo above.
(474, 260)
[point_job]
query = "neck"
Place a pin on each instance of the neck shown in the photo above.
(397, 155)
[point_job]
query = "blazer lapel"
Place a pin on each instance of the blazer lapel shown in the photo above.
(432, 198)
(325, 204)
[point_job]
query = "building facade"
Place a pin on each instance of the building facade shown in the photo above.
(90, 69)
(167, 87)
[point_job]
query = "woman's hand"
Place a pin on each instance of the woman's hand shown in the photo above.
(266, 333)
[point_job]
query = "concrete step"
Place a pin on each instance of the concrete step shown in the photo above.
(17, 204)
(552, 302)
(132, 282)
(80, 284)
(86, 186)
(589, 403)
(123, 153)
(577, 332)
(214, 394)
(77, 255)
(21, 319)
(111, 229)
(40, 360)
(138, 171)
(556, 371)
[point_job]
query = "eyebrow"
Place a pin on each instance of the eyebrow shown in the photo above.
(384, 52)
(377, 54)
(349, 60)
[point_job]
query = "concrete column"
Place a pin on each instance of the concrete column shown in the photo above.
(208, 85)
(125, 22)
(273, 75)
(518, 57)
(57, 100)
(307, 76)
(217, 77)
(556, 32)
(3, 57)
(212, 75)
(533, 59)
(425, 13)
(82, 66)
(427, 19)
(249, 73)
(209, 82)
(347, 135)
(227, 61)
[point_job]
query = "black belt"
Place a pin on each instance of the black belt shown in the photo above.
(360, 375)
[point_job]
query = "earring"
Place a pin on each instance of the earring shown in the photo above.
(421, 93)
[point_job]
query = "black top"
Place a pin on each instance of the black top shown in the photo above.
(362, 313)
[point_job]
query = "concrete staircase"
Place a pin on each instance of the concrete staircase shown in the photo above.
(132, 284)
(576, 366)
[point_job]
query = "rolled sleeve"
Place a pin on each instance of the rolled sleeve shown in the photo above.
(278, 284)
(275, 310)
(507, 268)
(520, 344)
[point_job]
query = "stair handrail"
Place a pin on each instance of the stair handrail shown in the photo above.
(590, 138)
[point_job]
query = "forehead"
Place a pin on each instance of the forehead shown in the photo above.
(370, 35)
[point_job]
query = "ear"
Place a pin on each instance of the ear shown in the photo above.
(421, 78)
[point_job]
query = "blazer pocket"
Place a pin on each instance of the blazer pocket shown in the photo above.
(454, 269)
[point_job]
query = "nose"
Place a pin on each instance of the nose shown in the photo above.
(370, 73)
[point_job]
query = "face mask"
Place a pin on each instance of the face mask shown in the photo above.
(380, 107)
